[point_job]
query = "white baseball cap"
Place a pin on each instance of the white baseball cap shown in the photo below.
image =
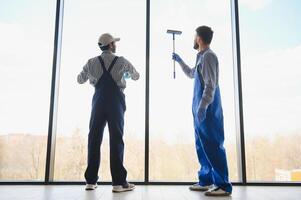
(105, 39)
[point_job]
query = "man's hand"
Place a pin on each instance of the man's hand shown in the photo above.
(176, 57)
(201, 114)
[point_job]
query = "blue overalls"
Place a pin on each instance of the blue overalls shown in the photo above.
(209, 137)
(108, 105)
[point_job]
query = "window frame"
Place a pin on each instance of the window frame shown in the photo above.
(53, 107)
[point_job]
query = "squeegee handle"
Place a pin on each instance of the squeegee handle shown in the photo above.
(174, 62)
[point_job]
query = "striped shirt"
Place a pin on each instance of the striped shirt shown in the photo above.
(92, 70)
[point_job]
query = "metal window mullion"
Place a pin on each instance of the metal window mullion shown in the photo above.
(52, 124)
(241, 159)
(147, 53)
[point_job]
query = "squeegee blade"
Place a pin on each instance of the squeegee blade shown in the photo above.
(174, 32)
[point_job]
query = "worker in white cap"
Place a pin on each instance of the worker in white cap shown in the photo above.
(107, 73)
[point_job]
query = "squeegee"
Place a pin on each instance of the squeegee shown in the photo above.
(174, 32)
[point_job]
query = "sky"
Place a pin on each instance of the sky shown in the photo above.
(270, 46)
(271, 49)
(274, 24)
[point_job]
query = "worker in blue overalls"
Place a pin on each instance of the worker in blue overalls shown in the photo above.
(107, 73)
(208, 117)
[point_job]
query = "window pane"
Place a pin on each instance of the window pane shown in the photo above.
(271, 49)
(84, 21)
(25, 65)
(172, 147)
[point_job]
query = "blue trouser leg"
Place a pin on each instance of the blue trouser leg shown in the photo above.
(205, 173)
(216, 154)
(97, 125)
(116, 124)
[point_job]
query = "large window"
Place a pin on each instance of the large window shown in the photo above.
(25, 66)
(271, 49)
(84, 21)
(172, 147)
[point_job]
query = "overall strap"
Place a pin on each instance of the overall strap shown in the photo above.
(106, 72)
(102, 63)
(112, 63)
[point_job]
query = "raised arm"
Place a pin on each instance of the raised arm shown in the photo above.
(186, 69)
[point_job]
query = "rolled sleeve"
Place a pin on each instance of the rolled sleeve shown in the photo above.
(131, 70)
(83, 76)
(210, 77)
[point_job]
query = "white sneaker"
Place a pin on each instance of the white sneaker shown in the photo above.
(91, 186)
(217, 191)
(123, 188)
(198, 187)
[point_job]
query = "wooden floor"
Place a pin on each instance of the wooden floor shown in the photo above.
(66, 192)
